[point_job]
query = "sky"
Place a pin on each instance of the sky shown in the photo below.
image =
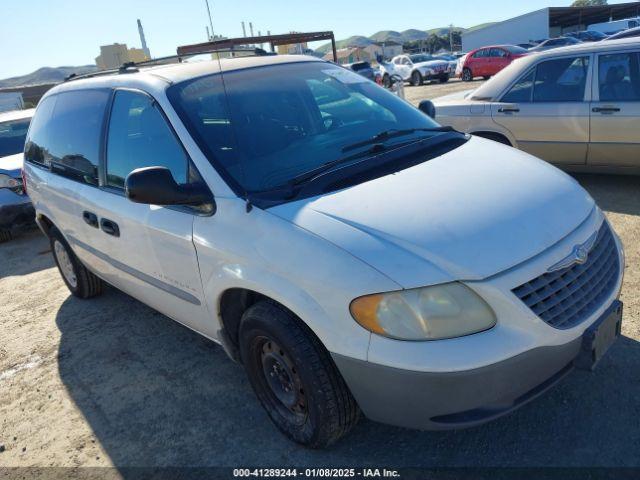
(38, 33)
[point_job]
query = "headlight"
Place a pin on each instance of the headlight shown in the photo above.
(430, 313)
(13, 184)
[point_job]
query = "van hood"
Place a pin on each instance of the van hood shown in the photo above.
(469, 214)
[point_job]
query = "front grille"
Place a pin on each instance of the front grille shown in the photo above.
(567, 297)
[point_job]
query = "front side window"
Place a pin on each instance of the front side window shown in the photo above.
(12, 136)
(278, 122)
(73, 143)
(553, 81)
(619, 77)
(481, 53)
(561, 80)
(139, 136)
(522, 90)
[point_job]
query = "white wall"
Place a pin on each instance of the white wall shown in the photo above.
(531, 26)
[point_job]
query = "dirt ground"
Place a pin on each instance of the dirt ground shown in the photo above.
(110, 382)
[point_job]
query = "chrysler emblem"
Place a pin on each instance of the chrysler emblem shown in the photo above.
(579, 255)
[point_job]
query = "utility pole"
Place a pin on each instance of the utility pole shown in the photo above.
(451, 37)
(210, 20)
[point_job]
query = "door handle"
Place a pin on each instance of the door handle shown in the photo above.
(90, 218)
(605, 110)
(508, 110)
(109, 227)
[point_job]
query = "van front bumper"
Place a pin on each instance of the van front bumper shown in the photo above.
(440, 401)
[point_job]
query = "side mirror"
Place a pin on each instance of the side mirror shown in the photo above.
(156, 186)
(427, 107)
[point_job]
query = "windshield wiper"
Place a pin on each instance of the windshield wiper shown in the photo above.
(392, 133)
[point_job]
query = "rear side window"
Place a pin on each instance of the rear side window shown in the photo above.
(73, 134)
(619, 77)
(37, 145)
(139, 136)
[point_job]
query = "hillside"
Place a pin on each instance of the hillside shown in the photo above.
(410, 35)
(45, 75)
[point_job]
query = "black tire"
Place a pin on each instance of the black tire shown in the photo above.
(5, 236)
(496, 137)
(294, 377)
(86, 284)
(444, 79)
(467, 75)
(416, 79)
(486, 77)
(386, 81)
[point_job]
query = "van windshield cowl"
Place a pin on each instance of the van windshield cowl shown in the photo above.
(262, 128)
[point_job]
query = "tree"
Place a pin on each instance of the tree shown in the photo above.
(588, 3)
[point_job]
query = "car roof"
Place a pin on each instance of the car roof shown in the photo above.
(16, 115)
(178, 72)
(502, 80)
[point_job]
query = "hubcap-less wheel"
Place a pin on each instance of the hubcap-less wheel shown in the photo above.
(284, 384)
(415, 79)
(466, 75)
(64, 261)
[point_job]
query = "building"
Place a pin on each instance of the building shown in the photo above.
(114, 56)
(546, 23)
(384, 50)
(350, 55)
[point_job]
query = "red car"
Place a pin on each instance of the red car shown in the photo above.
(487, 61)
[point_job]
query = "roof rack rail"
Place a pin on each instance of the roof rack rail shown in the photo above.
(132, 67)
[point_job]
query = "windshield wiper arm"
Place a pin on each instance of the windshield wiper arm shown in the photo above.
(392, 133)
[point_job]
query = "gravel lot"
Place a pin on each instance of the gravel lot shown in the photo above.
(110, 382)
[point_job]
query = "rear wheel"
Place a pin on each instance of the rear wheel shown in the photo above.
(294, 377)
(467, 76)
(416, 79)
(80, 281)
(487, 77)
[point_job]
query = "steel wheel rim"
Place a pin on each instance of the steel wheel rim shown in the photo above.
(64, 262)
(282, 381)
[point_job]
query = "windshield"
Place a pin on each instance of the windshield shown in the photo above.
(421, 58)
(281, 121)
(12, 136)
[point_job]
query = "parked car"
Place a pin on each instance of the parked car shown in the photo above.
(350, 252)
(632, 32)
(587, 35)
(16, 211)
(419, 67)
(452, 59)
(577, 107)
(487, 61)
(527, 45)
(555, 43)
(10, 101)
(362, 68)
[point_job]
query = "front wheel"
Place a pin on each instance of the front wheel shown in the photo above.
(416, 79)
(294, 377)
(467, 76)
(80, 281)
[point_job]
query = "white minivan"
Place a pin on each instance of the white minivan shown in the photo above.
(351, 253)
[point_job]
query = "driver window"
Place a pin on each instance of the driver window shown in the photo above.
(140, 137)
(405, 61)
